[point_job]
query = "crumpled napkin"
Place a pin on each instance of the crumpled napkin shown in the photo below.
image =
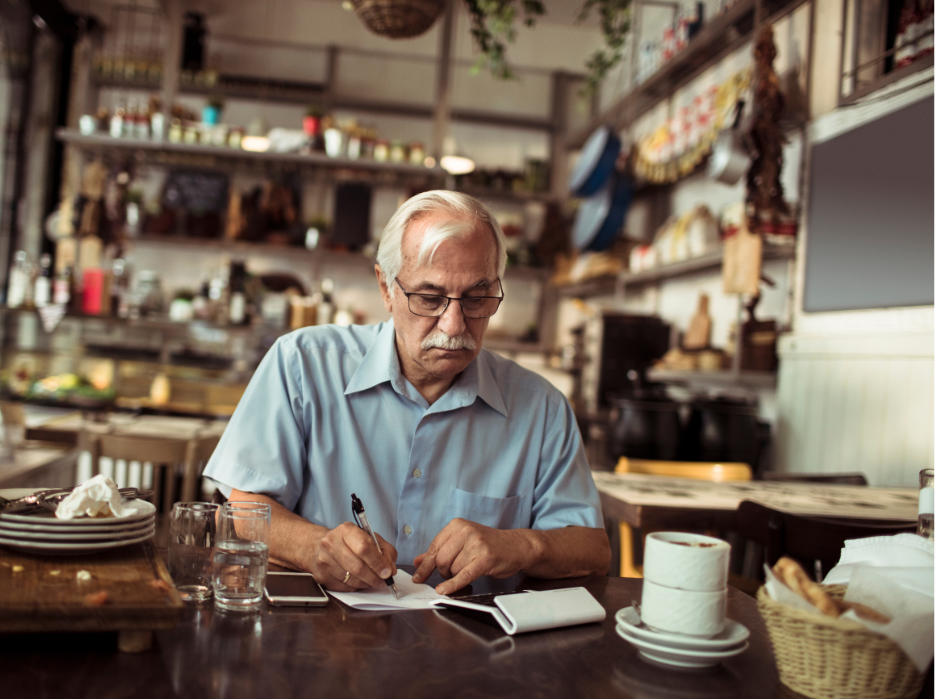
(894, 575)
(97, 497)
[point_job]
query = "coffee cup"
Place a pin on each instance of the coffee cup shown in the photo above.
(689, 612)
(686, 561)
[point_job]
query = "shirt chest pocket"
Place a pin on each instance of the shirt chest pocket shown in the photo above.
(499, 513)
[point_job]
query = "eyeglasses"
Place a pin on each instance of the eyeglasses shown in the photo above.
(433, 305)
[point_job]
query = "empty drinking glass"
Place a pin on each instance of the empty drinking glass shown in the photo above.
(192, 535)
(241, 556)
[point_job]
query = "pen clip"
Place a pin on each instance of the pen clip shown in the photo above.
(357, 507)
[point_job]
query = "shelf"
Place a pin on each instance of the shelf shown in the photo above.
(749, 379)
(514, 346)
(604, 286)
(717, 38)
(314, 160)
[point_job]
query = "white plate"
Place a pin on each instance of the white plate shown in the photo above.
(732, 635)
(72, 535)
(680, 657)
(65, 527)
(69, 549)
(142, 510)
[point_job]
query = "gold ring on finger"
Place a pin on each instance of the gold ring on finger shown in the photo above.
(347, 576)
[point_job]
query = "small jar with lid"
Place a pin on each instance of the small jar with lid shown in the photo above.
(397, 152)
(416, 153)
(381, 151)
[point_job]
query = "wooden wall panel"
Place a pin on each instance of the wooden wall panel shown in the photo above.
(849, 411)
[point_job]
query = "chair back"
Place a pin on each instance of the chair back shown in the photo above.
(700, 470)
(807, 538)
(199, 450)
(849, 478)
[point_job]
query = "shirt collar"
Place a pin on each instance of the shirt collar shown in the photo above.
(381, 364)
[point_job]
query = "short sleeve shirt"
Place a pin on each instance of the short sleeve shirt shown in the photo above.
(329, 413)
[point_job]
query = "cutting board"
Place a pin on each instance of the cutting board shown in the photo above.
(44, 593)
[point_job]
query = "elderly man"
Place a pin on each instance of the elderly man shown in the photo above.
(466, 462)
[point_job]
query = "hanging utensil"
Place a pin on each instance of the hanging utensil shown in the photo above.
(729, 159)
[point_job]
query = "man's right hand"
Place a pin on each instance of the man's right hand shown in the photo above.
(328, 554)
(347, 549)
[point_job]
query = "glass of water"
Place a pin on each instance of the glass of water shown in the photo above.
(192, 535)
(241, 555)
(926, 502)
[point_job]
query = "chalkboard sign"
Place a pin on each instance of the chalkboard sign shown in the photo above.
(196, 190)
(870, 223)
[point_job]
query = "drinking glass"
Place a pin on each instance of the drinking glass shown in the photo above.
(926, 503)
(241, 556)
(192, 535)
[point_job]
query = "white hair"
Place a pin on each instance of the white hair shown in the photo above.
(465, 211)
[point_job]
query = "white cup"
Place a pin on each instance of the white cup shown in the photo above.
(686, 561)
(688, 612)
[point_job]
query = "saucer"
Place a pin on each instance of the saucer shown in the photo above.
(680, 657)
(733, 634)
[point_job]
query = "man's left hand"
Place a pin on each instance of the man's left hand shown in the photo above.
(464, 550)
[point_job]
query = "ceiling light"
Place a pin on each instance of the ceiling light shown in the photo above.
(257, 144)
(457, 164)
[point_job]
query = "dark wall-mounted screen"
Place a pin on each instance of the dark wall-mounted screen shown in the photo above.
(871, 230)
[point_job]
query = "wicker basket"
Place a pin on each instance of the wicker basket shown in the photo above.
(827, 658)
(398, 19)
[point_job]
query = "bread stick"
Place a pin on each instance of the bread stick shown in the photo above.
(791, 574)
(863, 611)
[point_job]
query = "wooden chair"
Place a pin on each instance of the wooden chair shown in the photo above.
(807, 539)
(849, 478)
(704, 471)
(165, 453)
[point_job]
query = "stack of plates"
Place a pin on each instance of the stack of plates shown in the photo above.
(677, 649)
(44, 533)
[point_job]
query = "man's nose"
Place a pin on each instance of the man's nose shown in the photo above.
(451, 322)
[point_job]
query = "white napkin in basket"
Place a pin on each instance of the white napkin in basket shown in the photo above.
(892, 574)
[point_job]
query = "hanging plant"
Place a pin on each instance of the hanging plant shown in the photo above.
(615, 25)
(492, 26)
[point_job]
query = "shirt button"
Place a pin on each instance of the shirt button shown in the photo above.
(407, 529)
(417, 473)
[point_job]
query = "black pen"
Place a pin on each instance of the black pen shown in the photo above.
(357, 507)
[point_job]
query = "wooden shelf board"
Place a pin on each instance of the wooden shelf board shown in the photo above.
(603, 286)
(312, 160)
(754, 379)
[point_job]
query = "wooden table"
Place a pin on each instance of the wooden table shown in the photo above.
(339, 653)
(655, 502)
(38, 467)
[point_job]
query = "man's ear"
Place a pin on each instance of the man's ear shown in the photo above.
(385, 291)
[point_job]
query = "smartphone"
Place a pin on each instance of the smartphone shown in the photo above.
(294, 589)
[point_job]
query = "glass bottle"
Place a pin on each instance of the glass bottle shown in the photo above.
(926, 503)
(42, 291)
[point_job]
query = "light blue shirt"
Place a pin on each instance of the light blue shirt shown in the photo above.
(329, 413)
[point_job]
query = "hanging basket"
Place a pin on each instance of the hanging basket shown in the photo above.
(398, 19)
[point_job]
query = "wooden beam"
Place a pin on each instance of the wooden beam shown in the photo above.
(442, 113)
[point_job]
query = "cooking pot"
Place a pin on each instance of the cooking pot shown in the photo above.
(646, 429)
(722, 429)
(595, 164)
(729, 160)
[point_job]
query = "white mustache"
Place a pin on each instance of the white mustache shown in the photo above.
(442, 340)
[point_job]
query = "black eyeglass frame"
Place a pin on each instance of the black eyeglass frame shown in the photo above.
(449, 299)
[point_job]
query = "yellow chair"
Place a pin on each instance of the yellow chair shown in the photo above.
(698, 470)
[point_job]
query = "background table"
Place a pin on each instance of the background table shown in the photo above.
(656, 502)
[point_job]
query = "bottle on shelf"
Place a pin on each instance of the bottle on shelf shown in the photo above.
(42, 289)
(61, 288)
(18, 286)
(116, 121)
(326, 305)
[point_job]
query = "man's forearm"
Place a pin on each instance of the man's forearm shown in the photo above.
(566, 553)
(290, 535)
